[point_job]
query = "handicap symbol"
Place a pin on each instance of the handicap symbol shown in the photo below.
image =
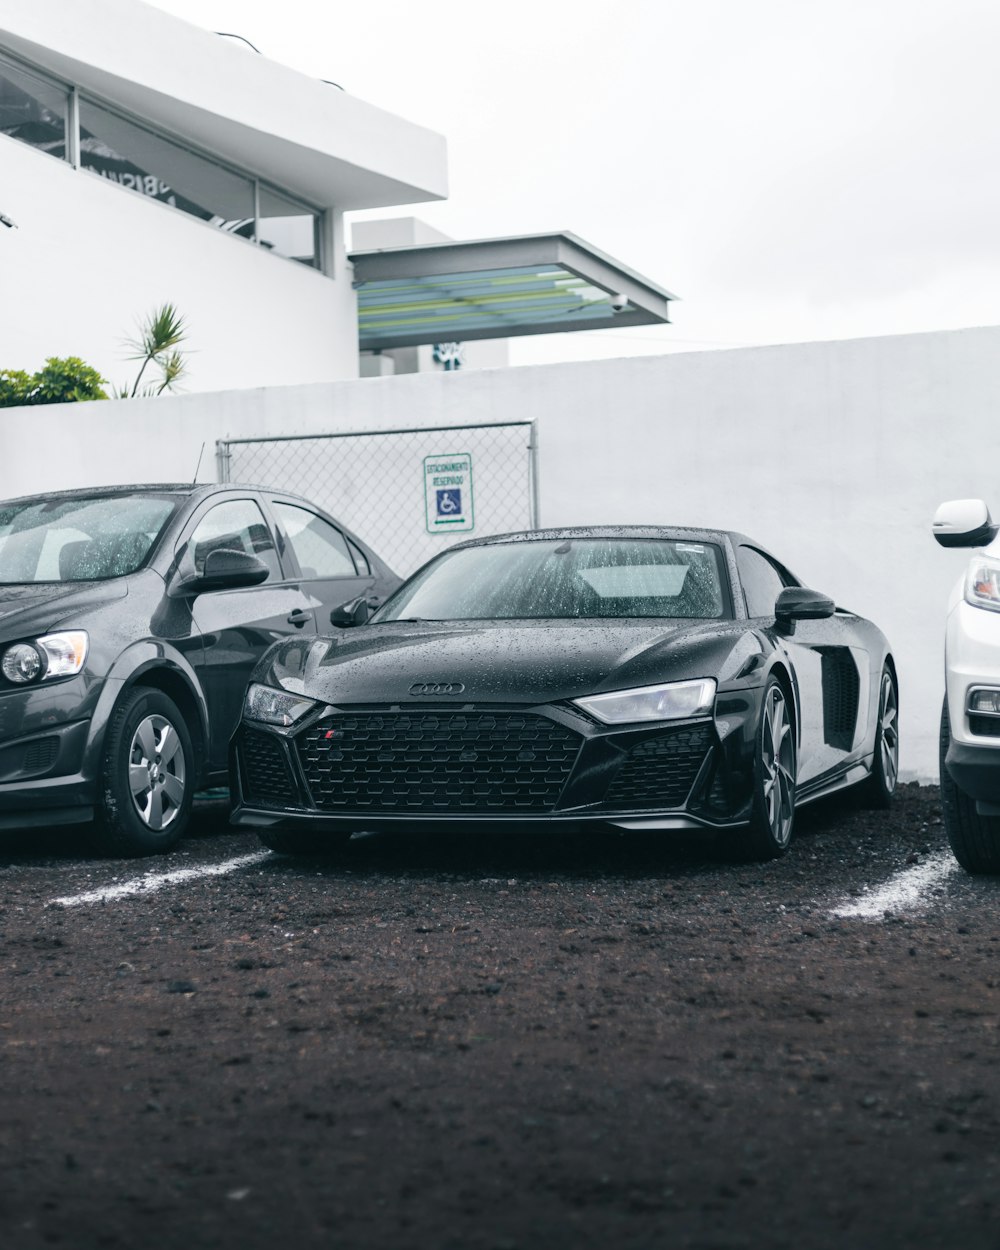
(449, 502)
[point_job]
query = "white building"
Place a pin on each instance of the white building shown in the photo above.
(144, 160)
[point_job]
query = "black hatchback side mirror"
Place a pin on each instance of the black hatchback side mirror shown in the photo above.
(226, 569)
(354, 612)
(799, 603)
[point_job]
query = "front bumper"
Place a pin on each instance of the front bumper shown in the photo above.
(975, 770)
(47, 771)
(502, 767)
(972, 659)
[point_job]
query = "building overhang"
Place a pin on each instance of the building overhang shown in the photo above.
(496, 289)
(304, 135)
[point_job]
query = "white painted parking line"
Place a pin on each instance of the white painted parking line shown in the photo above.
(152, 881)
(902, 892)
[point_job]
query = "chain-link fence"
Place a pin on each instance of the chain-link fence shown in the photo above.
(408, 493)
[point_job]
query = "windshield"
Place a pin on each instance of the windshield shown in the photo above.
(79, 539)
(575, 578)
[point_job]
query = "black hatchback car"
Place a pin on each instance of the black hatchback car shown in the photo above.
(130, 619)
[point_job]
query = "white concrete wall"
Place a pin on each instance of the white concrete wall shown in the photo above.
(835, 455)
(89, 259)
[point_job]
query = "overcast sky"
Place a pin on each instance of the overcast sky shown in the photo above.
(792, 169)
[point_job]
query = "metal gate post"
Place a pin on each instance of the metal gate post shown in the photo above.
(222, 459)
(534, 518)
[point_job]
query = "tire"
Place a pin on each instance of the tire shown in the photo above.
(302, 841)
(877, 789)
(974, 839)
(147, 780)
(772, 811)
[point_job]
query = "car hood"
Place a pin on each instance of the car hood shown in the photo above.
(503, 662)
(37, 607)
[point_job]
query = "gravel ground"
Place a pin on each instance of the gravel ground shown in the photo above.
(502, 1044)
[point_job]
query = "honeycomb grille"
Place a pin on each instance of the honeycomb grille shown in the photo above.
(437, 762)
(266, 777)
(984, 726)
(40, 755)
(841, 691)
(660, 771)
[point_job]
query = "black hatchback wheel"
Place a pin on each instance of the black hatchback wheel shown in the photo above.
(772, 812)
(147, 781)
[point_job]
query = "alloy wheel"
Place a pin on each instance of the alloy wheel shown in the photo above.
(156, 772)
(889, 732)
(777, 757)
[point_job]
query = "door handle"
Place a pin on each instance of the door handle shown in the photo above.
(297, 618)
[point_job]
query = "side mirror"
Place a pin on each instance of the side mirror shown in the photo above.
(225, 569)
(963, 523)
(799, 603)
(353, 613)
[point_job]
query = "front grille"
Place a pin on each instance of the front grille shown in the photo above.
(660, 771)
(437, 761)
(984, 726)
(265, 769)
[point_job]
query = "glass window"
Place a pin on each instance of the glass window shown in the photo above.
(320, 549)
(147, 163)
(573, 578)
(236, 525)
(288, 228)
(33, 110)
(360, 559)
(762, 583)
(79, 539)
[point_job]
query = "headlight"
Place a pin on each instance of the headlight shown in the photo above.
(65, 653)
(982, 583)
(22, 663)
(274, 707)
(55, 655)
(676, 700)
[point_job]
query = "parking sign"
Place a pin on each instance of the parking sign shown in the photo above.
(448, 493)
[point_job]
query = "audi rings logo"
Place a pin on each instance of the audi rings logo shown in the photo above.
(437, 687)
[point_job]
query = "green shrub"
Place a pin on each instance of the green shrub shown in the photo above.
(62, 380)
(15, 387)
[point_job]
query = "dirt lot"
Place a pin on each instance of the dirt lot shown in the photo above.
(502, 1044)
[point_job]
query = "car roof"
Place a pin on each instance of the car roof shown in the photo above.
(608, 531)
(198, 489)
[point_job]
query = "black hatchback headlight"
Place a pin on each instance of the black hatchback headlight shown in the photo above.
(53, 655)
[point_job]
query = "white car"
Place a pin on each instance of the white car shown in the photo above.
(970, 720)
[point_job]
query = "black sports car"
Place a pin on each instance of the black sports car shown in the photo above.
(640, 678)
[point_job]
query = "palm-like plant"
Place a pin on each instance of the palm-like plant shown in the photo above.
(157, 343)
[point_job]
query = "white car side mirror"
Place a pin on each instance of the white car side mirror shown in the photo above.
(963, 523)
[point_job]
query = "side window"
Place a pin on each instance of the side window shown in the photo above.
(320, 549)
(762, 582)
(236, 525)
(360, 559)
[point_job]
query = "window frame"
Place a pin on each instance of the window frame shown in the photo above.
(288, 545)
(184, 551)
(71, 122)
(71, 141)
(784, 577)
